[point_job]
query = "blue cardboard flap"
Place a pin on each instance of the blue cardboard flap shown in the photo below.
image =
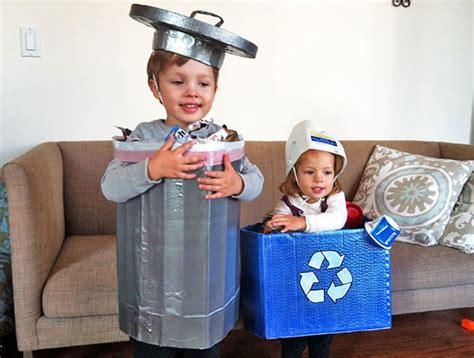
(299, 284)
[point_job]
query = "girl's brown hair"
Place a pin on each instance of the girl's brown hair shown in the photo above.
(160, 60)
(290, 185)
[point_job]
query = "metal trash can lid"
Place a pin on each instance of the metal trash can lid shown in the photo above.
(190, 37)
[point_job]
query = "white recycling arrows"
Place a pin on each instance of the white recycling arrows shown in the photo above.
(316, 296)
(307, 280)
(335, 292)
(333, 257)
(338, 292)
(316, 260)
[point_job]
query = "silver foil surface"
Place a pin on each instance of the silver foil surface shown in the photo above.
(178, 265)
(190, 37)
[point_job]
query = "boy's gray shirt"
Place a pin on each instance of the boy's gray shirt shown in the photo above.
(124, 180)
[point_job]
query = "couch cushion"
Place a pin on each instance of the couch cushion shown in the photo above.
(416, 267)
(83, 281)
(417, 191)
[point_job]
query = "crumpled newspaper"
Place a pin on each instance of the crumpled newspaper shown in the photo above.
(182, 135)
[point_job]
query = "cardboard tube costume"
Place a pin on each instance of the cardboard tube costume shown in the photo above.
(178, 253)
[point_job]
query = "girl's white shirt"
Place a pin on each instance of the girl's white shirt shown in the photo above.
(333, 218)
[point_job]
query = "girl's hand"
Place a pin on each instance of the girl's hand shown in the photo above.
(168, 163)
(288, 222)
(222, 183)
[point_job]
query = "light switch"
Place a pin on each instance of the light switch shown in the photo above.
(30, 41)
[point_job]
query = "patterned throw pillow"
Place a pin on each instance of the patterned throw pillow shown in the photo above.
(418, 192)
(459, 232)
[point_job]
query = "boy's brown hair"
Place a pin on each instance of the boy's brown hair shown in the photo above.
(160, 60)
(290, 185)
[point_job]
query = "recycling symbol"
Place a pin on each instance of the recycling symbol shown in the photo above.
(335, 292)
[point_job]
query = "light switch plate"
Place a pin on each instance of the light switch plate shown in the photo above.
(30, 41)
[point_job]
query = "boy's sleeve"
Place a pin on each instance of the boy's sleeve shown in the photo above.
(334, 218)
(252, 179)
(123, 180)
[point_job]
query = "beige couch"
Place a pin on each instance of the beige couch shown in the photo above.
(63, 243)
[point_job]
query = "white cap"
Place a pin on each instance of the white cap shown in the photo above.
(306, 135)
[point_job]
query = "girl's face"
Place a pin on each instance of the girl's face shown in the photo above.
(187, 92)
(316, 174)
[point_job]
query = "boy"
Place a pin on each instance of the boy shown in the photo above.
(187, 89)
(186, 86)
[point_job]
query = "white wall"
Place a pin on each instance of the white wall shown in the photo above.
(362, 68)
(472, 58)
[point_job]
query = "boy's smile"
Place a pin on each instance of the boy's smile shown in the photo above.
(187, 92)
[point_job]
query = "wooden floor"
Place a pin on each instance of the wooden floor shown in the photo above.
(431, 334)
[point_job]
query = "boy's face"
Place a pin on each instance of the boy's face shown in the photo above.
(316, 174)
(187, 92)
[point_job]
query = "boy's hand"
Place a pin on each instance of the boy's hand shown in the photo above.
(222, 183)
(168, 163)
(288, 222)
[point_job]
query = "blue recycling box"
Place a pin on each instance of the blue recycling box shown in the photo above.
(299, 284)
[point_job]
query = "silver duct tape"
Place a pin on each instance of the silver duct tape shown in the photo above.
(207, 52)
(191, 37)
(178, 265)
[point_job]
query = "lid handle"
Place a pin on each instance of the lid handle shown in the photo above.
(210, 14)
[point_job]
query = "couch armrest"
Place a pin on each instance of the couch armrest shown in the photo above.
(34, 183)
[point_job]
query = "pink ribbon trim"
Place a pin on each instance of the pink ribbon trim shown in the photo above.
(212, 158)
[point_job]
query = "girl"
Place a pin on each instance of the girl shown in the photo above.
(312, 201)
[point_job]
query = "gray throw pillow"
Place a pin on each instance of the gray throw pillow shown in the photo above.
(418, 192)
(459, 232)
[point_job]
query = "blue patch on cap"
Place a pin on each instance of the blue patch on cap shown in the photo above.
(324, 140)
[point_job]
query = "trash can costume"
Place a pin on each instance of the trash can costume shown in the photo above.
(178, 254)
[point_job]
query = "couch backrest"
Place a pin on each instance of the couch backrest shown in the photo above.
(88, 212)
(270, 158)
(359, 151)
